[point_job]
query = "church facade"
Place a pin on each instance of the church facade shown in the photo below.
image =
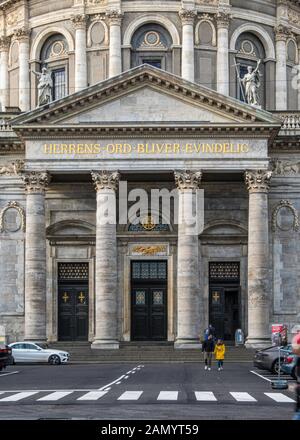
(142, 99)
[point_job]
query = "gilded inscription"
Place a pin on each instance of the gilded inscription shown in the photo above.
(146, 148)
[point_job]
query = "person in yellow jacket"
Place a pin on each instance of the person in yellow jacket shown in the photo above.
(219, 353)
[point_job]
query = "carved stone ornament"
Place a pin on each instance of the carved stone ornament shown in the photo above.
(105, 179)
(4, 43)
(285, 204)
(13, 205)
(114, 17)
(22, 34)
(35, 181)
(188, 179)
(285, 167)
(149, 250)
(258, 180)
(12, 168)
(187, 15)
(79, 21)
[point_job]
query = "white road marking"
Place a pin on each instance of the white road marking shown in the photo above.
(126, 377)
(112, 383)
(118, 383)
(128, 372)
(205, 396)
(279, 397)
(243, 397)
(8, 374)
(131, 395)
(262, 377)
(55, 396)
(93, 395)
(168, 395)
(18, 396)
(107, 389)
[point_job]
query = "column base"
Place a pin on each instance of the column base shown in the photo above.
(106, 344)
(258, 343)
(184, 344)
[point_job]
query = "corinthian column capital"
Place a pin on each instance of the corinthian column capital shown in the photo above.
(188, 179)
(187, 16)
(258, 180)
(4, 44)
(114, 17)
(105, 179)
(22, 34)
(36, 182)
(282, 33)
(223, 19)
(79, 21)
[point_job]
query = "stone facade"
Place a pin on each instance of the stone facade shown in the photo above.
(115, 116)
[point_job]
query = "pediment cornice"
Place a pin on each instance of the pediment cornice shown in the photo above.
(145, 75)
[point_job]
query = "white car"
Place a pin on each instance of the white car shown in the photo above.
(33, 352)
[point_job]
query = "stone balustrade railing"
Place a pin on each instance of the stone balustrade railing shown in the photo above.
(290, 119)
(5, 125)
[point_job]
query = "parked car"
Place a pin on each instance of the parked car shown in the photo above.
(289, 364)
(33, 352)
(268, 358)
(5, 356)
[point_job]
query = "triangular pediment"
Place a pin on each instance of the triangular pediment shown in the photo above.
(145, 95)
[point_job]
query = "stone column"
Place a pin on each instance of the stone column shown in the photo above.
(35, 256)
(281, 36)
(187, 55)
(22, 35)
(259, 295)
(79, 23)
(188, 283)
(222, 54)
(106, 294)
(115, 55)
(4, 90)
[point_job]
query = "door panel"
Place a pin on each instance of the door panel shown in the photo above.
(73, 313)
(224, 311)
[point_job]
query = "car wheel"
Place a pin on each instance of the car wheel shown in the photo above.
(13, 362)
(293, 373)
(54, 359)
(275, 366)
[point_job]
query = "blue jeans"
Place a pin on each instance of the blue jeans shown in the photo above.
(220, 364)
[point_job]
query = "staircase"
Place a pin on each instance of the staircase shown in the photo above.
(81, 352)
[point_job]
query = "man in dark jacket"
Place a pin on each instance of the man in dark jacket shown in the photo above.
(208, 347)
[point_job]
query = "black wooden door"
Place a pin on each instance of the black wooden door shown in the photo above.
(224, 311)
(149, 313)
(73, 312)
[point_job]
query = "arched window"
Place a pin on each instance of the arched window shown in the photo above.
(54, 56)
(152, 44)
(249, 51)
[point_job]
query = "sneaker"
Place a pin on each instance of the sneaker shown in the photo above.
(209, 369)
(219, 369)
(205, 368)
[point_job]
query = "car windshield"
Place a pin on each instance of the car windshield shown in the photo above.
(42, 345)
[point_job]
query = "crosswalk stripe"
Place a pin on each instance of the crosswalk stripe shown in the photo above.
(205, 396)
(131, 395)
(243, 397)
(279, 397)
(93, 395)
(18, 396)
(55, 396)
(168, 395)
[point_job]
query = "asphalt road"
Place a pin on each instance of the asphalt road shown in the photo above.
(141, 391)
